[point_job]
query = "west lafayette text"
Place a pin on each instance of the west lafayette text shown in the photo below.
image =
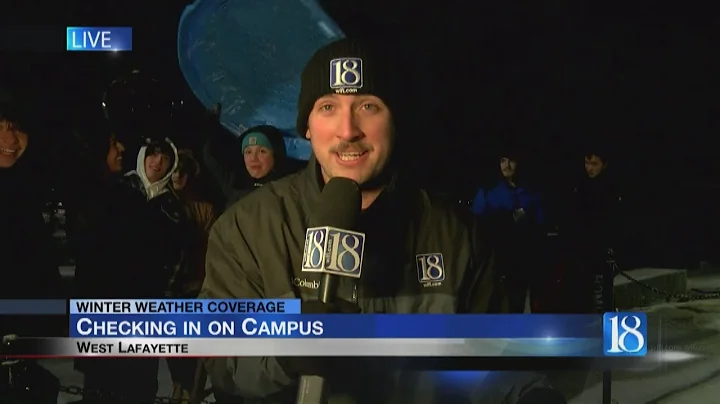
(86, 347)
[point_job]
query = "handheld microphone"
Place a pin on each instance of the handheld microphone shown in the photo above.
(330, 247)
(334, 251)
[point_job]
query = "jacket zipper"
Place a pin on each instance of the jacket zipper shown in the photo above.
(355, 294)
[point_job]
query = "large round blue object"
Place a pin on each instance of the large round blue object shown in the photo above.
(248, 56)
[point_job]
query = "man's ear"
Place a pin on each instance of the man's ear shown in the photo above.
(307, 134)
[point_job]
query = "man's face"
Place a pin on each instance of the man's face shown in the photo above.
(156, 166)
(13, 143)
(259, 161)
(351, 136)
(507, 167)
(114, 156)
(594, 166)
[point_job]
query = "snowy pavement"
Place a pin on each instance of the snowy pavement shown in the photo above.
(685, 345)
(686, 368)
(684, 341)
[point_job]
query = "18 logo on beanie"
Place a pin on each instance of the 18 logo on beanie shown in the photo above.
(346, 75)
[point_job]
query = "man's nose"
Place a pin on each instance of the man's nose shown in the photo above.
(348, 130)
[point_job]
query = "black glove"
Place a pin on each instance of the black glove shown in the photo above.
(542, 395)
(295, 366)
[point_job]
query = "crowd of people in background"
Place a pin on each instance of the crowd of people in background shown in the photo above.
(139, 223)
(143, 218)
(516, 214)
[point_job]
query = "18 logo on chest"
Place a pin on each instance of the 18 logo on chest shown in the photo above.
(430, 269)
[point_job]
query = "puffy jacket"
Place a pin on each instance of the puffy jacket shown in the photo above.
(255, 251)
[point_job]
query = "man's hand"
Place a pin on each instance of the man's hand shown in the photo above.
(295, 366)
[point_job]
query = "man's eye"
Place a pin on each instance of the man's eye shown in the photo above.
(326, 107)
(370, 107)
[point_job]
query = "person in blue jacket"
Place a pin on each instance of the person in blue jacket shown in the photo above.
(515, 216)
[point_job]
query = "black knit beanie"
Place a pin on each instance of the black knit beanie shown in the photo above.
(346, 67)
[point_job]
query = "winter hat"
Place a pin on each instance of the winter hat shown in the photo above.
(256, 138)
(346, 67)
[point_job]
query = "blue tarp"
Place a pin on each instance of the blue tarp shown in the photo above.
(248, 56)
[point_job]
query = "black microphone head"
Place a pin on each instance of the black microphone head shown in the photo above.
(340, 204)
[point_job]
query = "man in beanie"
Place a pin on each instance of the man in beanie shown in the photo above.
(345, 109)
(258, 154)
(264, 159)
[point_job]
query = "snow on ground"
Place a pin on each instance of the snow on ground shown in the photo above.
(686, 365)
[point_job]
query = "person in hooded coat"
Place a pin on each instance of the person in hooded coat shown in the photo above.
(152, 177)
(264, 159)
(126, 238)
(114, 221)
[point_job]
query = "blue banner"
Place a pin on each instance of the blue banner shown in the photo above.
(184, 306)
(248, 56)
(548, 327)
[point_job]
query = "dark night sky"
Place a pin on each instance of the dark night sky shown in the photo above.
(641, 77)
(551, 74)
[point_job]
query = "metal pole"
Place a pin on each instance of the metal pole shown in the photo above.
(608, 284)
